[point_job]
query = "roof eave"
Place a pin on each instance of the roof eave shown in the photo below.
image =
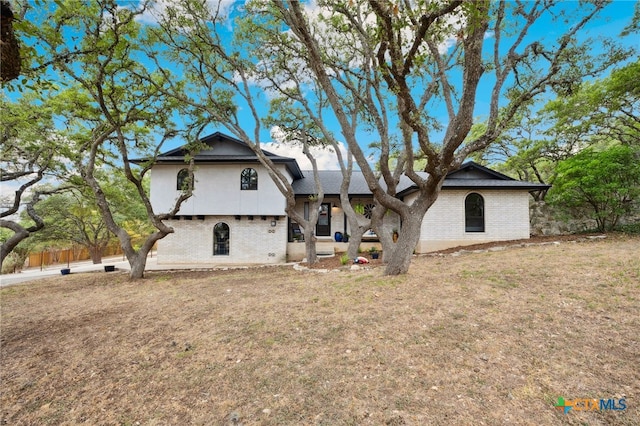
(529, 188)
(331, 194)
(473, 164)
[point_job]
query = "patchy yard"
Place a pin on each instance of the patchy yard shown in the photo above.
(480, 338)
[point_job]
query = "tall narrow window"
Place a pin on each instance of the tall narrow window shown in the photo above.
(182, 182)
(474, 213)
(323, 227)
(249, 179)
(221, 239)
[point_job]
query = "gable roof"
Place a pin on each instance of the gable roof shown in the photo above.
(470, 175)
(473, 170)
(222, 148)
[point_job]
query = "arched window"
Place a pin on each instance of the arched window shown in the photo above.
(221, 239)
(249, 179)
(182, 182)
(474, 213)
(368, 210)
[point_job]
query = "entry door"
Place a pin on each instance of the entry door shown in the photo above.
(323, 227)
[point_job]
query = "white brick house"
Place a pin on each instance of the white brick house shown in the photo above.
(237, 215)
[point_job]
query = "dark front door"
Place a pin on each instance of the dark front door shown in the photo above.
(323, 228)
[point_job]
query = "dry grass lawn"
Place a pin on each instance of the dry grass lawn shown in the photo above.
(481, 338)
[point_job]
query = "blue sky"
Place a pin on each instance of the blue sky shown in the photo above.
(610, 22)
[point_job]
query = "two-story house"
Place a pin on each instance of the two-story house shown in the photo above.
(237, 214)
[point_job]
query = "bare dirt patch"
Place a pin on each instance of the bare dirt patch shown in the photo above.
(484, 338)
(335, 262)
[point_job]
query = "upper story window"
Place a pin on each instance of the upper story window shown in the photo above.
(474, 213)
(182, 181)
(249, 179)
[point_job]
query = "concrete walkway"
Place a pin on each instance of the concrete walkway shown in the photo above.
(33, 274)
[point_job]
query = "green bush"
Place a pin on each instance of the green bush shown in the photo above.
(602, 185)
(630, 228)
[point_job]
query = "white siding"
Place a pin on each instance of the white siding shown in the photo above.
(217, 191)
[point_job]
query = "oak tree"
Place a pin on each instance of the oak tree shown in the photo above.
(28, 155)
(111, 112)
(413, 63)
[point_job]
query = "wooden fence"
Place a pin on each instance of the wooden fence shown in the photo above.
(64, 256)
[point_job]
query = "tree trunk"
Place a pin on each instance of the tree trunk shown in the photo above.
(10, 50)
(7, 247)
(96, 254)
(400, 257)
(138, 259)
(310, 246)
(357, 229)
(377, 223)
(19, 232)
(354, 243)
(138, 264)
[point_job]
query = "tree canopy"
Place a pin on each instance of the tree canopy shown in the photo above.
(603, 185)
(387, 71)
(28, 154)
(109, 102)
(406, 77)
(597, 113)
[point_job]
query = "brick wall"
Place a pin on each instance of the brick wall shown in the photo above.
(256, 241)
(251, 241)
(506, 218)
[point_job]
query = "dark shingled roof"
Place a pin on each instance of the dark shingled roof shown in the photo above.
(331, 181)
(470, 176)
(492, 184)
(225, 149)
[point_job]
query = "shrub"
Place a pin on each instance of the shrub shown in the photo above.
(601, 184)
(629, 228)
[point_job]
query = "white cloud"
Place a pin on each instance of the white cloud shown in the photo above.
(325, 157)
(7, 191)
(158, 9)
(7, 197)
(451, 25)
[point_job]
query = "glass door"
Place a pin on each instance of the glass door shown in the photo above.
(323, 227)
